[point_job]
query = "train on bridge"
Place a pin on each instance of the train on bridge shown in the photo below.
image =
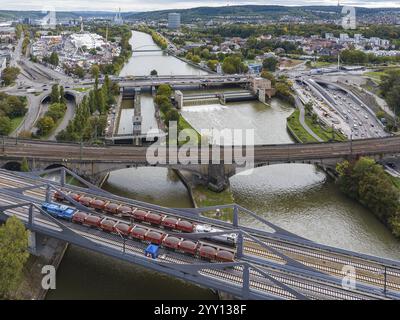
(200, 249)
(151, 218)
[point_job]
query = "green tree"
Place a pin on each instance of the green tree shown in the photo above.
(268, 75)
(171, 115)
(212, 64)
(25, 165)
(55, 94)
(95, 71)
(5, 126)
(9, 75)
(13, 255)
(164, 90)
(270, 63)
(45, 125)
(16, 107)
(54, 60)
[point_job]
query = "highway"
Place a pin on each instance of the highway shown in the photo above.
(311, 285)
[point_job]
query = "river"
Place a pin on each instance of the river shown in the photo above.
(297, 197)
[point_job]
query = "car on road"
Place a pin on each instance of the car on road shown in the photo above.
(372, 125)
(391, 165)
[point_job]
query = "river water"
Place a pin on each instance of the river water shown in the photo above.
(297, 197)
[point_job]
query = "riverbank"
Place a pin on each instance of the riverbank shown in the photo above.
(51, 253)
(201, 197)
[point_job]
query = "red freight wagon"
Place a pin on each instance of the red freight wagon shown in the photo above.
(93, 221)
(79, 217)
(124, 210)
(123, 228)
(85, 201)
(111, 208)
(58, 196)
(154, 237)
(188, 246)
(185, 226)
(225, 256)
(171, 242)
(107, 225)
(208, 252)
(139, 215)
(98, 204)
(153, 218)
(138, 233)
(169, 222)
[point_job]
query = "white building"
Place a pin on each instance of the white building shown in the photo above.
(88, 40)
(174, 20)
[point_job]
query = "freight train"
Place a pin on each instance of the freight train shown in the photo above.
(138, 232)
(152, 218)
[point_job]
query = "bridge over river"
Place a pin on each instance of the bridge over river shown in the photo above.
(268, 264)
(214, 163)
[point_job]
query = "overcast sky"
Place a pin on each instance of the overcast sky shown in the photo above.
(142, 5)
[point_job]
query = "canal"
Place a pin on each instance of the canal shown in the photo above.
(297, 197)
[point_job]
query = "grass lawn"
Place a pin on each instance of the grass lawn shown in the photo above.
(82, 89)
(321, 64)
(15, 123)
(376, 75)
(294, 124)
(325, 134)
(204, 197)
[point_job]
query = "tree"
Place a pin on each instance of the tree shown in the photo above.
(13, 255)
(45, 125)
(54, 60)
(154, 73)
(270, 64)
(234, 64)
(269, 76)
(164, 90)
(212, 64)
(25, 165)
(55, 94)
(196, 59)
(78, 71)
(16, 107)
(9, 75)
(171, 115)
(5, 126)
(95, 71)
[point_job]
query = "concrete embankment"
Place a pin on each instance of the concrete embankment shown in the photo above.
(51, 253)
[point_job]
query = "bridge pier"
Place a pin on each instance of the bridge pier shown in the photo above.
(32, 240)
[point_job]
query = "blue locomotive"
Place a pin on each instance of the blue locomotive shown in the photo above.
(58, 211)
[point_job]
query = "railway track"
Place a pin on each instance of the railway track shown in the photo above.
(326, 262)
(233, 275)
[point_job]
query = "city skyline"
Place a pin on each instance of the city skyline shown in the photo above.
(137, 5)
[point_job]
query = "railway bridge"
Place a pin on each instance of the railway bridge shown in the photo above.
(271, 263)
(213, 165)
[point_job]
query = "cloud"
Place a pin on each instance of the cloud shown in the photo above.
(140, 5)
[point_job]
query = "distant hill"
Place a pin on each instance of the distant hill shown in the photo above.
(267, 11)
(9, 14)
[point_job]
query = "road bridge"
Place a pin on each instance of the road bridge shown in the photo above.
(215, 164)
(272, 264)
